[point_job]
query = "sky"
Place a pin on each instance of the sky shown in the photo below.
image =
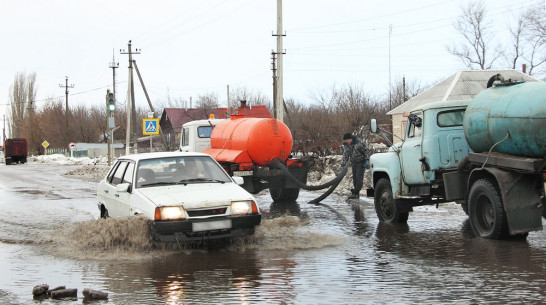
(195, 47)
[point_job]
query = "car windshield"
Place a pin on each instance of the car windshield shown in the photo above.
(179, 170)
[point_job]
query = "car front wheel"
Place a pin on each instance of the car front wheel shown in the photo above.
(385, 207)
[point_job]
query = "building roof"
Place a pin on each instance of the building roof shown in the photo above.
(178, 116)
(463, 85)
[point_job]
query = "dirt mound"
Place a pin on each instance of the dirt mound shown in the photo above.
(90, 172)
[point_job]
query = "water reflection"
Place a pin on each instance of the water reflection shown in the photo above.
(210, 277)
(361, 223)
(278, 209)
(470, 268)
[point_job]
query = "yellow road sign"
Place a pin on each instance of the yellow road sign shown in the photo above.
(45, 144)
(150, 127)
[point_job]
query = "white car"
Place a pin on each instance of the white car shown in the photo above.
(189, 196)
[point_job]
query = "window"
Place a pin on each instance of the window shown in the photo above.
(118, 174)
(112, 171)
(204, 131)
(451, 118)
(185, 137)
(128, 177)
(416, 125)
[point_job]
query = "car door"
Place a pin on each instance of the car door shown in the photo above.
(125, 196)
(115, 205)
(411, 152)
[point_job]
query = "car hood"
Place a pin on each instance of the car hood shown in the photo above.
(196, 195)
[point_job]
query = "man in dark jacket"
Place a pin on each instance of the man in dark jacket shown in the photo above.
(357, 152)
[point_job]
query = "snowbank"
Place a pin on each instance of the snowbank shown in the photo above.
(62, 160)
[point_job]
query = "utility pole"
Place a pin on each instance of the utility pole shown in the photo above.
(4, 131)
(274, 69)
(279, 101)
(131, 113)
(151, 107)
(390, 86)
(66, 86)
(228, 102)
(110, 129)
(31, 113)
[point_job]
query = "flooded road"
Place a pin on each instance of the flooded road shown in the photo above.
(332, 253)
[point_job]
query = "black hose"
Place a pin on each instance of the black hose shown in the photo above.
(336, 180)
(328, 192)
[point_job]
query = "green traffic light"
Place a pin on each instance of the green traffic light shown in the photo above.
(111, 101)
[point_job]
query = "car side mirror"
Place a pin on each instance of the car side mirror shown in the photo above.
(373, 125)
(123, 187)
(238, 180)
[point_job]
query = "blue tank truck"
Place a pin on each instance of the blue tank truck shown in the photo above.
(487, 154)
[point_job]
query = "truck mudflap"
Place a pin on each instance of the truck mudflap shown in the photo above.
(519, 197)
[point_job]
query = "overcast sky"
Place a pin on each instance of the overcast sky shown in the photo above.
(191, 47)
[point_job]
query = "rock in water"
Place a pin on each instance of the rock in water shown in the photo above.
(64, 293)
(55, 289)
(90, 294)
(39, 290)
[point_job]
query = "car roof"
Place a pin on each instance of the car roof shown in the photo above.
(207, 122)
(167, 154)
(443, 104)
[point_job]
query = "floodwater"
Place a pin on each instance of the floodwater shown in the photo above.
(332, 253)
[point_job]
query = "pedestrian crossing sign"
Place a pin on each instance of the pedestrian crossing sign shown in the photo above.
(150, 126)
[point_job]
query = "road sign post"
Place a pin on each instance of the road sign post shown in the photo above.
(71, 147)
(150, 127)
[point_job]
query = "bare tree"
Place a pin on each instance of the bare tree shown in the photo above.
(535, 38)
(252, 97)
(208, 100)
(403, 90)
(478, 48)
(22, 94)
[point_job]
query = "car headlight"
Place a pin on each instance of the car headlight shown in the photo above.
(244, 207)
(169, 213)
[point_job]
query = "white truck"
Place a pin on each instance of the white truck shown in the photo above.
(195, 135)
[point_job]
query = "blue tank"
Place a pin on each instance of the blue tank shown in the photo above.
(518, 109)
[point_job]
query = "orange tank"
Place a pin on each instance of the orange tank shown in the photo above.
(256, 140)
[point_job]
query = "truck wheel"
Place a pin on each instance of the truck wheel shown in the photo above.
(487, 217)
(279, 192)
(385, 207)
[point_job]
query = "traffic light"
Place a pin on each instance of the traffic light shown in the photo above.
(110, 102)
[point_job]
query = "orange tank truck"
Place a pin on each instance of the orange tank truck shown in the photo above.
(246, 147)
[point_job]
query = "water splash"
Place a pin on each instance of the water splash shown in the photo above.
(131, 238)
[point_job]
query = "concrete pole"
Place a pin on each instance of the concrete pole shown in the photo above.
(279, 93)
(229, 111)
(128, 110)
(131, 113)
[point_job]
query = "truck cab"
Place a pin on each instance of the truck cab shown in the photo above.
(411, 172)
(195, 135)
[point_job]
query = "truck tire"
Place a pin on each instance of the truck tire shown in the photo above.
(385, 207)
(487, 216)
(280, 193)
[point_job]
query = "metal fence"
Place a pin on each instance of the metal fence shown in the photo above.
(66, 152)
